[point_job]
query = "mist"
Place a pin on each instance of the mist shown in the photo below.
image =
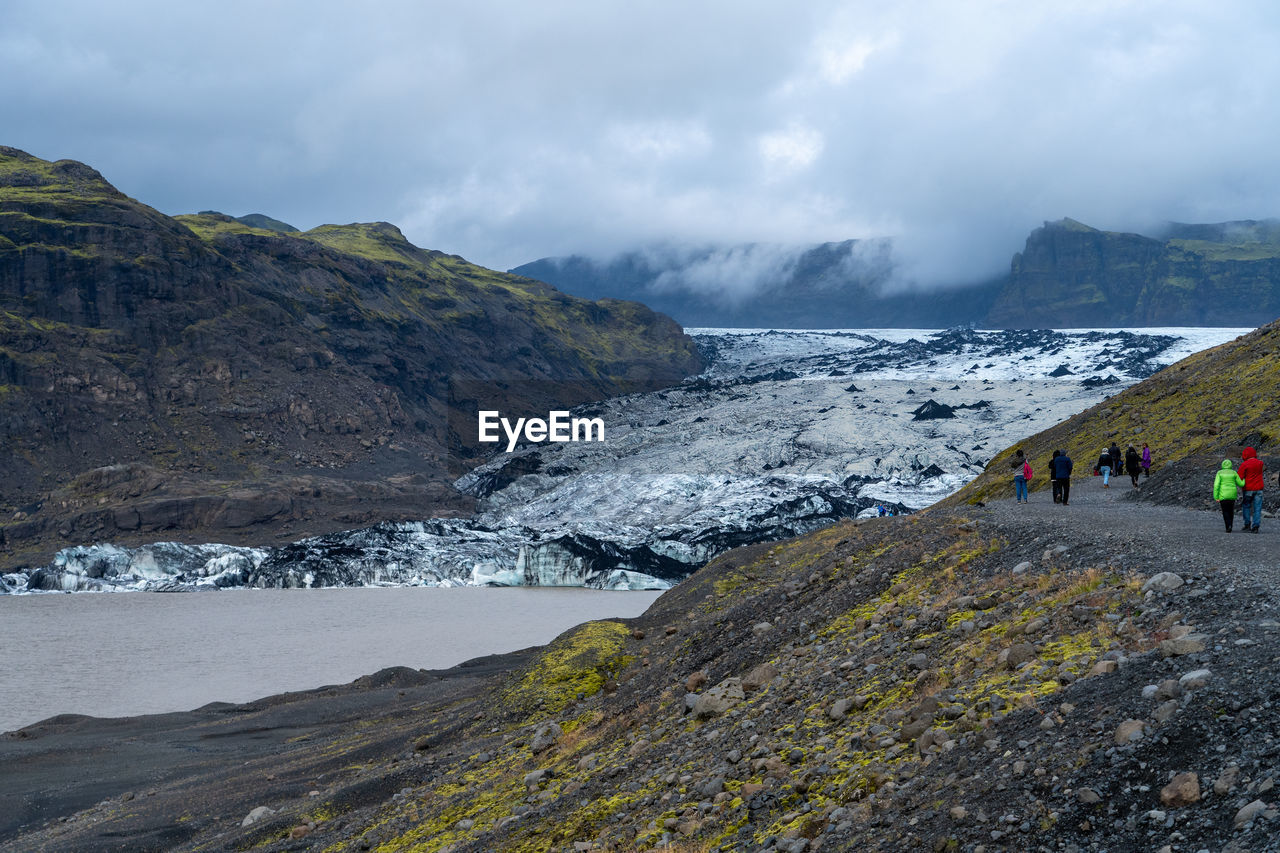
(506, 132)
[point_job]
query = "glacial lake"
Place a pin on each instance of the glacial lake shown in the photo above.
(121, 654)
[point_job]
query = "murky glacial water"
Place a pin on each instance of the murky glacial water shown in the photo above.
(138, 653)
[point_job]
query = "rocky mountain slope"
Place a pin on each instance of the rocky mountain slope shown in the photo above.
(972, 677)
(1068, 276)
(207, 378)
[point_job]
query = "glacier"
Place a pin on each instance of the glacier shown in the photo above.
(783, 433)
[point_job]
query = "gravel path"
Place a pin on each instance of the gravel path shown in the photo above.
(1186, 537)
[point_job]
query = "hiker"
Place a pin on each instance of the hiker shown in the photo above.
(1053, 480)
(1020, 468)
(1226, 485)
(1146, 460)
(1117, 460)
(1251, 470)
(1104, 467)
(1061, 471)
(1132, 465)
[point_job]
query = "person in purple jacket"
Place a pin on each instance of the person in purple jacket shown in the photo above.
(1146, 460)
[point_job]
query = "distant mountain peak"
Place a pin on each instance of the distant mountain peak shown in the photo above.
(1066, 223)
(22, 170)
(261, 220)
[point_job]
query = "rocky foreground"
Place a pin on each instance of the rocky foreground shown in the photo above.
(999, 677)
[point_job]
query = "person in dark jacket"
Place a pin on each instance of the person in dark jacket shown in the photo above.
(1053, 479)
(1251, 504)
(1061, 470)
(1132, 464)
(1104, 467)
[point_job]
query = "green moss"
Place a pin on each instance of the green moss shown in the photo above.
(209, 227)
(379, 241)
(576, 663)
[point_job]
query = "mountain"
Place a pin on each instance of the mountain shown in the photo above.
(1072, 276)
(849, 284)
(1068, 275)
(200, 377)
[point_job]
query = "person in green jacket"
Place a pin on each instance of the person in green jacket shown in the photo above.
(1226, 485)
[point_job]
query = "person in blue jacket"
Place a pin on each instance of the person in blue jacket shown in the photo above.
(1060, 470)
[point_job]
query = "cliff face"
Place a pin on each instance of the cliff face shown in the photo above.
(198, 376)
(1072, 276)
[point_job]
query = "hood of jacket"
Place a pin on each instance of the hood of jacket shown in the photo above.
(1249, 453)
(1226, 463)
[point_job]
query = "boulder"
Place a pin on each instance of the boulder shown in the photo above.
(759, 676)
(1183, 790)
(1249, 813)
(1195, 678)
(1163, 582)
(256, 815)
(1017, 654)
(719, 699)
(1129, 732)
(1186, 645)
(545, 737)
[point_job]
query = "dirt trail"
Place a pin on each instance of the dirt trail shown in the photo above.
(1184, 537)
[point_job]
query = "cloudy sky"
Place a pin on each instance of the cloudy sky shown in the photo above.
(507, 131)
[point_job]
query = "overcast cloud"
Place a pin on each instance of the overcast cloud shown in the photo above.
(507, 131)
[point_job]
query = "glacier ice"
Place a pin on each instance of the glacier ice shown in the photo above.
(783, 433)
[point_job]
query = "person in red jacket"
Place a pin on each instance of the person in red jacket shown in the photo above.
(1251, 470)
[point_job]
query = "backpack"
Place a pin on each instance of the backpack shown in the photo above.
(1026, 471)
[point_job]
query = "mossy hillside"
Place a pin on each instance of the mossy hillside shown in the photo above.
(1208, 406)
(45, 203)
(852, 609)
(574, 666)
(615, 342)
(210, 226)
